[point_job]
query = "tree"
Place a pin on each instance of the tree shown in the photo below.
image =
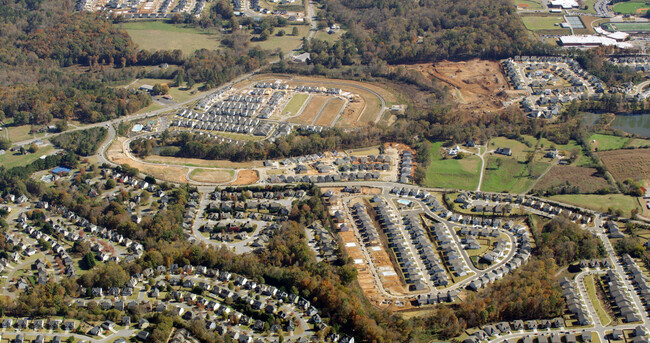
(61, 125)
(294, 31)
(110, 184)
(280, 33)
(265, 35)
(5, 144)
(160, 89)
(88, 261)
(33, 148)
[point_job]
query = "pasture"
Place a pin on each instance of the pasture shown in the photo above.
(158, 35)
(586, 179)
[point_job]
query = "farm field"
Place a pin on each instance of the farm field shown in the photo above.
(294, 105)
(157, 35)
(631, 7)
(570, 176)
(9, 159)
(627, 164)
(330, 111)
(310, 111)
(212, 175)
(600, 202)
(452, 173)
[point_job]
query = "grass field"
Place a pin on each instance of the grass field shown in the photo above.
(590, 7)
(528, 5)
(511, 176)
(519, 149)
(10, 160)
(330, 111)
(600, 202)
(631, 27)
(19, 133)
(536, 23)
(591, 292)
(308, 114)
(212, 175)
(571, 176)
(286, 43)
(158, 35)
(631, 7)
(294, 105)
(607, 142)
(452, 173)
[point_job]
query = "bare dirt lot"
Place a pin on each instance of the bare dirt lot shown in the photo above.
(197, 162)
(627, 164)
(246, 177)
(311, 110)
(477, 85)
(212, 175)
(330, 111)
(168, 173)
(585, 178)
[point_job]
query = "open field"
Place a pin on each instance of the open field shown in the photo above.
(310, 111)
(212, 175)
(537, 22)
(294, 105)
(627, 164)
(607, 142)
(631, 7)
(584, 178)
(197, 162)
(510, 175)
(10, 159)
(286, 43)
(478, 83)
(157, 35)
(246, 177)
(600, 202)
(168, 173)
(452, 173)
(333, 107)
(19, 133)
(567, 150)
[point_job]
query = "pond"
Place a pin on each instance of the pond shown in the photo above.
(633, 123)
(638, 124)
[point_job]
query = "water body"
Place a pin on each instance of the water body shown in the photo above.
(634, 123)
(638, 124)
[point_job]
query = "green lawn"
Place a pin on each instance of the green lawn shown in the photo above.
(535, 23)
(630, 7)
(452, 173)
(590, 7)
(332, 38)
(511, 176)
(607, 142)
(158, 35)
(591, 292)
(645, 27)
(567, 149)
(600, 202)
(19, 133)
(10, 160)
(519, 150)
(295, 104)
